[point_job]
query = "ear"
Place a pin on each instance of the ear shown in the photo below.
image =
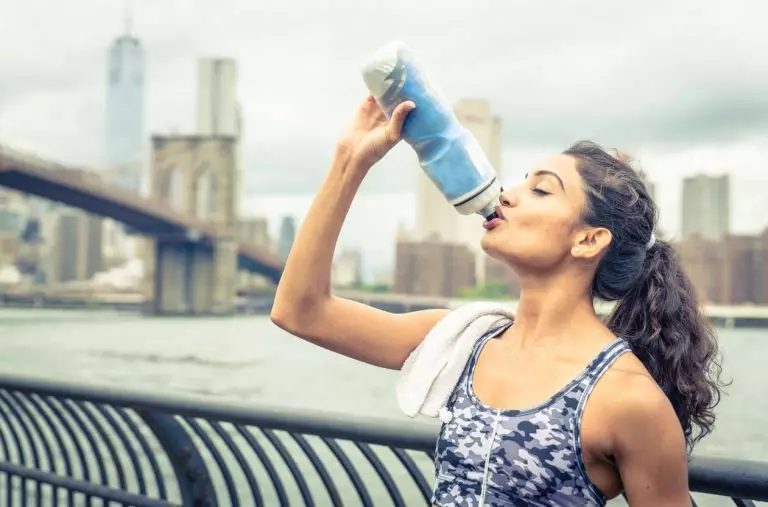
(591, 243)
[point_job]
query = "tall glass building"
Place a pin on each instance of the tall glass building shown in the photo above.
(125, 112)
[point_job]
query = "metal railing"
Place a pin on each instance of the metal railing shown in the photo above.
(65, 444)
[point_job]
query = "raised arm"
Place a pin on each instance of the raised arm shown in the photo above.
(304, 305)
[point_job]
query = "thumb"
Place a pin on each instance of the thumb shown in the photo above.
(398, 117)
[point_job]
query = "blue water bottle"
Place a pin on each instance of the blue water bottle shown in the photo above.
(449, 154)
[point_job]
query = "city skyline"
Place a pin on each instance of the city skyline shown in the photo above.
(713, 102)
(704, 117)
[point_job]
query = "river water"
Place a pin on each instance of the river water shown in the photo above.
(249, 359)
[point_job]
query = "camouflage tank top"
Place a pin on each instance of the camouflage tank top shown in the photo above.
(532, 457)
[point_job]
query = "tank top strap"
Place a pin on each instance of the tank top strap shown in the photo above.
(479, 344)
(492, 333)
(600, 364)
(605, 359)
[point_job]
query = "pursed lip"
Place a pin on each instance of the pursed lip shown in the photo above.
(494, 221)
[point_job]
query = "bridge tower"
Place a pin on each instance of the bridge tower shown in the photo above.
(188, 275)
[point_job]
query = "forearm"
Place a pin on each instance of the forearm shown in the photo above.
(306, 279)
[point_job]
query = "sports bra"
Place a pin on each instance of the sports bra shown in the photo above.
(491, 457)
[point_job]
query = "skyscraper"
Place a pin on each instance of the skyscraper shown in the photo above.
(706, 206)
(124, 127)
(77, 246)
(287, 235)
(125, 110)
(218, 111)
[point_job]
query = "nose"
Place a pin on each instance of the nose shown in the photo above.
(507, 198)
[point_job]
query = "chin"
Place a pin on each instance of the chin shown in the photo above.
(492, 240)
(503, 250)
(494, 248)
(486, 244)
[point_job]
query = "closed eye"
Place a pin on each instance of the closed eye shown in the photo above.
(540, 192)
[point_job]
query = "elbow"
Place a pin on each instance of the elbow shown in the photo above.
(278, 317)
(283, 316)
(283, 309)
(292, 316)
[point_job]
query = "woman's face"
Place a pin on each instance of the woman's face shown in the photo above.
(540, 221)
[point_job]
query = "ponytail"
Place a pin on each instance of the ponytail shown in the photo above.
(661, 320)
(656, 311)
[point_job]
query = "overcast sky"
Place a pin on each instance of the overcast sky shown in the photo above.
(682, 84)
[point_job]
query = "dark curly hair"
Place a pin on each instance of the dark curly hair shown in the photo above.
(657, 310)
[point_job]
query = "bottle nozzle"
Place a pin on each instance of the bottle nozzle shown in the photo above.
(489, 211)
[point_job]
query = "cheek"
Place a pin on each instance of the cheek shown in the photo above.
(545, 237)
(536, 233)
(555, 232)
(554, 226)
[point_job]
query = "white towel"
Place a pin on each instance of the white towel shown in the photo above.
(432, 370)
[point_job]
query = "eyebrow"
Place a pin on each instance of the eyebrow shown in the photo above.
(544, 172)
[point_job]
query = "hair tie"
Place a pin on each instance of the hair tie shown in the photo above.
(651, 242)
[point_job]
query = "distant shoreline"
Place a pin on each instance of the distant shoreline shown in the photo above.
(725, 317)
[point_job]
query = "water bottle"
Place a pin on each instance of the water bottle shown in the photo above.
(449, 154)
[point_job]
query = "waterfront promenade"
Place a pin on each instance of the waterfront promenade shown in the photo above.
(247, 362)
(260, 303)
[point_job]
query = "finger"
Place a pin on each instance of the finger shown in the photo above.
(372, 112)
(398, 118)
(370, 106)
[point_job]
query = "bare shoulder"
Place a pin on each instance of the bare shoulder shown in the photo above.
(636, 398)
(646, 437)
(636, 409)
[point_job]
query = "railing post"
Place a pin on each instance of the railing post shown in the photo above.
(191, 472)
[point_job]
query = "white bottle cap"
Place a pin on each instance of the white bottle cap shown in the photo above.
(380, 66)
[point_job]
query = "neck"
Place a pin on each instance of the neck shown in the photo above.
(551, 308)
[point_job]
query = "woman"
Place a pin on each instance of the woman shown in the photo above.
(560, 408)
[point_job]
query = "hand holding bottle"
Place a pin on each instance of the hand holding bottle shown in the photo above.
(448, 152)
(371, 134)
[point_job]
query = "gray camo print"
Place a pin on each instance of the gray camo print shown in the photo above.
(536, 455)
